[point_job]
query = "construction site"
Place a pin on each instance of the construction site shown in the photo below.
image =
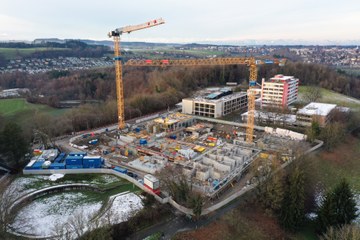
(212, 154)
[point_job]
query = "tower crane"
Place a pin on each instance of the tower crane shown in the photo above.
(115, 34)
(249, 61)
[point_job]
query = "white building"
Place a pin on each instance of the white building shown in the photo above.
(318, 112)
(216, 104)
(279, 91)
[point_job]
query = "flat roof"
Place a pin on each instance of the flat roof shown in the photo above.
(315, 108)
(281, 77)
(227, 97)
(289, 118)
(172, 118)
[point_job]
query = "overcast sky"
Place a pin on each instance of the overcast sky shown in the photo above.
(186, 20)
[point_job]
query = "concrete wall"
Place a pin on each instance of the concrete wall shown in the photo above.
(98, 170)
(202, 175)
(216, 164)
(187, 106)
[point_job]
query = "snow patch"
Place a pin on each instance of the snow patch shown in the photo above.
(122, 208)
(42, 215)
(56, 176)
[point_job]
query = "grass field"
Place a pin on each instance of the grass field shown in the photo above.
(329, 96)
(14, 53)
(20, 111)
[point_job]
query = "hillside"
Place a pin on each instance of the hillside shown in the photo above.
(328, 96)
(22, 112)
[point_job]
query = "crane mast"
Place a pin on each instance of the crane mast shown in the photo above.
(251, 102)
(115, 34)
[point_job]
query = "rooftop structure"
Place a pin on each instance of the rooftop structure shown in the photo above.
(270, 117)
(321, 109)
(319, 112)
(215, 103)
(171, 122)
(280, 90)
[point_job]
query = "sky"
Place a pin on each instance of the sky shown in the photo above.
(225, 21)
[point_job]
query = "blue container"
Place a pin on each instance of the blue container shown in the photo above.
(74, 166)
(57, 166)
(172, 136)
(74, 160)
(77, 154)
(137, 129)
(37, 165)
(215, 183)
(92, 162)
(143, 141)
(121, 170)
(60, 157)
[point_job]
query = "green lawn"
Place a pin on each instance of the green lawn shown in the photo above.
(20, 111)
(329, 96)
(14, 53)
(328, 168)
(10, 107)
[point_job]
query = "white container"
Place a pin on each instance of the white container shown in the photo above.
(151, 181)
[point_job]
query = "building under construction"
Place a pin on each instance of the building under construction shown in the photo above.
(212, 154)
(215, 102)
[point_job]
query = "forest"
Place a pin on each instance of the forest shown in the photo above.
(147, 90)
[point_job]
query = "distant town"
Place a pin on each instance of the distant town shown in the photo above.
(334, 56)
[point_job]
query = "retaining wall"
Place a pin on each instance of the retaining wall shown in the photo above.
(97, 170)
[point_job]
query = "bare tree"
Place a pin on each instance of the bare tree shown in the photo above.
(7, 198)
(346, 232)
(312, 94)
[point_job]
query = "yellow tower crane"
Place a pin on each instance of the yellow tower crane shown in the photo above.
(249, 61)
(118, 65)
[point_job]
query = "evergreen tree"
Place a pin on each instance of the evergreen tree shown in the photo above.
(313, 131)
(338, 208)
(13, 144)
(292, 212)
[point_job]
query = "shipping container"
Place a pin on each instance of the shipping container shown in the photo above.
(57, 166)
(37, 165)
(151, 182)
(121, 170)
(74, 166)
(60, 157)
(74, 160)
(77, 154)
(156, 191)
(29, 165)
(92, 162)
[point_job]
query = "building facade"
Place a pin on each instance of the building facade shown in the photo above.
(211, 107)
(279, 91)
